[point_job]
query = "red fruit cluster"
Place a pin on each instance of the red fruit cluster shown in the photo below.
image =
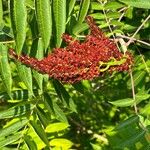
(79, 61)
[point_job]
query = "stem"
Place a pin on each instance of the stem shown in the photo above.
(133, 39)
(108, 22)
(139, 28)
(133, 92)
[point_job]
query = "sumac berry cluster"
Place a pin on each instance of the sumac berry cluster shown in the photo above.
(80, 61)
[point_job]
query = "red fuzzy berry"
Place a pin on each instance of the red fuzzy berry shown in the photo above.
(79, 61)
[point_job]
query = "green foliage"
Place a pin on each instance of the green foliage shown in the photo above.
(18, 15)
(108, 113)
(5, 69)
(137, 3)
(59, 12)
(44, 20)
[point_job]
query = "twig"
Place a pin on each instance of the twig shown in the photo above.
(124, 11)
(122, 42)
(133, 39)
(133, 92)
(6, 42)
(108, 22)
(139, 28)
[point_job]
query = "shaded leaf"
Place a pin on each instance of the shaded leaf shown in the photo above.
(42, 117)
(17, 95)
(59, 113)
(16, 111)
(40, 131)
(34, 28)
(25, 75)
(64, 95)
(132, 140)
(5, 69)
(128, 122)
(34, 138)
(61, 92)
(79, 87)
(30, 3)
(37, 52)
(138, 77)
(13, 127)
(48, 103)
(10, 139)
(78, 28)
(123, 102)
(30, 142)
(128, 135)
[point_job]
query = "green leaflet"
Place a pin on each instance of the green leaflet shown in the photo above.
(83, 10)
(18, 15)
(78, 28)
(1, 13)
(44, 20)
(13, 127)
(141, 96)
(37, 51)
(42, 116)
(137, 3)
(18, 95)
(138, 76)
(56, 127)
(59, 11)
(10, 139)
(128, 134)
(130, 141)
(5, 69)
(60, 115)
(30, 142)
(61, 92)
(30, 3)
(114, 5)
(96, 6)
(101, 16)
(54, 109)
(71, 6)
(34, 27)
(34, 139)
(128, 122)
(16, 111)
(25, 75)
(61, 142)
(123, 102)
(40, 131)
(64, 95)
